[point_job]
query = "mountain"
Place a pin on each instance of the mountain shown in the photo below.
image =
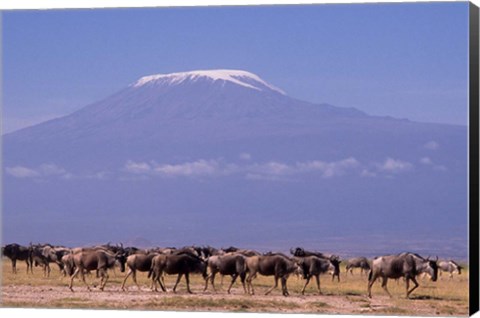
(185, 107)
(200, 149)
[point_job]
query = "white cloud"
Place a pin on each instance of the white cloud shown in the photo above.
(49, 170)
(330, 169)
(426, 161)
(196, 168)
(266, 170)
(137, 167)
(431, 145)
(44, 170)
(275, 170)
(199, 167)
(326, 169)
(271, 168)
(394, 166)
(429, 162)
(21, 172)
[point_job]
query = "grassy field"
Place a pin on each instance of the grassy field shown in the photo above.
(445, 297)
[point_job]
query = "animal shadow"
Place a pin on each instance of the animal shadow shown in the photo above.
(425, 297)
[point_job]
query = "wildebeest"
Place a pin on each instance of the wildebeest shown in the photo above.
(16, 252)
(229, 264)
(138, 262)
(42, 255)
(130, 250)
(244, 252)
(314, 266)
(449, 266)
(334, 259)
(358, 262)
(162, 250)
(118, 248)
(407, 265)
(181, 264)
(93, 259)
(278, 265)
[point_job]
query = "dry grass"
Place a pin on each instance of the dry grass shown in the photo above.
(444, 297)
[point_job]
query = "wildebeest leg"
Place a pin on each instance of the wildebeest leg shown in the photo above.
(157, 277)
(407, 286)
(30, 260)
(82, 276)
(125, 279)
(153, 286)
(134, 277)
(234, 278)
(284, 286)
(206, 282)
(178, 281)
(306, 283)
(73, 276)
(187, 278)
(371, 280)
(250, 277)
(212, 280)
(338, 277)
(274, 286)
(102, 273)
(28, 264)
(415, 287)
(103, 281)
(242, 279)
(317, 278)
(384, 285)
(162, 283)
(14, 266)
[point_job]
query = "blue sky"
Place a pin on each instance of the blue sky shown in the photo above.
(403, 60)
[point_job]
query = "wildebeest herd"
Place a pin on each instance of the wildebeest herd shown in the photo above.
(208, 261)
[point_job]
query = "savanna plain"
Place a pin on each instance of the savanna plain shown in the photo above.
(445, 297)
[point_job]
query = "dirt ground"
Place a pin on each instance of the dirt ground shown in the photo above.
(444, 297)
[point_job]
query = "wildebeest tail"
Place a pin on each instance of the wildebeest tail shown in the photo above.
(370, 275)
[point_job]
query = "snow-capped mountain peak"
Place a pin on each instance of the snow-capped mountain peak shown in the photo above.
(239, 77)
